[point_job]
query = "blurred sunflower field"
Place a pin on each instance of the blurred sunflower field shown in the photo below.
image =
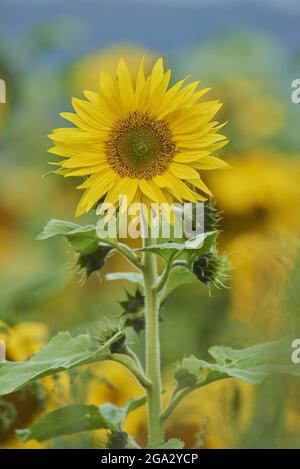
(50, 52)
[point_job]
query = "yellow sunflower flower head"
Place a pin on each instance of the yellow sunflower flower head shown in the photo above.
(138, 137)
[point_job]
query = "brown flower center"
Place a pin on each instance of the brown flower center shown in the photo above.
(140, 146)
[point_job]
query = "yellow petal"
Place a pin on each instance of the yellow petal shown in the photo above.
(125, 86)
(106, 173)
(83, 161)
(107, 86)
(183, 171)
(189, 156)
(202, 142)
(124, 186)
(92, 96)
(91, 114)
(162, 181)
(100, 186)
(74, 135)
(148, 190)
(140, 80)
(157, 73)
(155, 102)
(181, 191)
(210, 162)
(82, 171)
(74, 119)
(200, 185)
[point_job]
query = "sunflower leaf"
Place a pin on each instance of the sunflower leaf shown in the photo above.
(73, 418)
(178, 276)
(251, 364)
(133, 277)
(76, 418)
(173, 443)
(195, 246)
(62, 353)
(84, 239)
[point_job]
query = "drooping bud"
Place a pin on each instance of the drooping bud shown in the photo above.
(212, 268)
(184, 378)
(93, 261)
(117, 440)
(108, 334)
(212, 217)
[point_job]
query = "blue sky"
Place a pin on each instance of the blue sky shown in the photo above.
(163, 25)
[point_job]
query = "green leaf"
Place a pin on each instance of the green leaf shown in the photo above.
(178, 276)
(75, 418)
(83, 239)
(173, 443)
(62, 353)
(251, 364)
(114, 415)
(195, 246)
(134, 404)
(66, 420)
(133, 277)
(117, 415)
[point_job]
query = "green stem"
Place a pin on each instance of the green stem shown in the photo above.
(126, 252)
(176, 400)
(127, 361)
(164, 276)
(155, 428)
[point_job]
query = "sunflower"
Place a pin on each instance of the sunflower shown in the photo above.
(140, 138)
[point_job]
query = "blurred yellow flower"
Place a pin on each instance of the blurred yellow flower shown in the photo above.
(214, 416)
(24, 339)
(83, 74)
(261, 192)
(261, 267)
(115, 384)
(260, 200)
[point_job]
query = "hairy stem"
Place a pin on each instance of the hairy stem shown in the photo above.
(162, 280)
(155, 429)
(126, 252)
(138, 373)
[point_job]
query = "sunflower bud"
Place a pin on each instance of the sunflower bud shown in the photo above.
(212, 268)
(184, 378)
(134, 303)
(117, 440)
(212, 217)
(134, 311)
(94, 261)
(116, 346)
